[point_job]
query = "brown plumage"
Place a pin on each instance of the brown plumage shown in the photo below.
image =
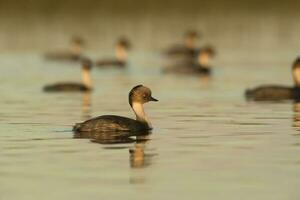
(111, 63)
(112, 126)
(276, 92)
(66, 87)
(271, 93)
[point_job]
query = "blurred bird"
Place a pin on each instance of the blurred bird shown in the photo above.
(85, 85)
(73, 54)
(111, 127)
(277, 92)
(121, 55)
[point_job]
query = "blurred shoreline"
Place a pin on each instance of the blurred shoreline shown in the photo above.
(242, 30)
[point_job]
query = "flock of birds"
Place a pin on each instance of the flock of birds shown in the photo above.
(185, 59)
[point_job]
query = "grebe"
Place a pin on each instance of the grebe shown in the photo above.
(117, 126)
(189, 48)
(86, 84)
(73, 54)
(199, 65)
(121, 52)
(276, 92)
(204, 57)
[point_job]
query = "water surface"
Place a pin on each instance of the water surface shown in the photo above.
(208, 142)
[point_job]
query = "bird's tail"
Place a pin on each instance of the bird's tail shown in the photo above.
(249, 93)
(77, 127)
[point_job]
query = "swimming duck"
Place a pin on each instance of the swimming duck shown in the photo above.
(117, 126)
(86, 84)
(277, 92)
(189, 48)
(199, 65)
(204, 57)
(121, 52)
(73, 54)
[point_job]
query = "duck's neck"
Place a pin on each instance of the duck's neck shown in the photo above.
(86, 78)
(203, 60)
(138, 109)
(76, 50)
(296, 76)
(121, 53)
(190, 43)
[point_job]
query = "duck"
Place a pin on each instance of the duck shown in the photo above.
(278, 92)
(199, 65)
(204, 56)
(113, 126)
(85, 86)
(189, 48)
(73, 54)
(121, 55)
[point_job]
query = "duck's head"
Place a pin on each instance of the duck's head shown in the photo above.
(190, 38)
(76, 40)
(140, 94)
(296, 71)
(122, 47)
(124, 43)
(204, 55)
(86, 64)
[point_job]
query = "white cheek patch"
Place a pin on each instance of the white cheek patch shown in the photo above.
(296, 74)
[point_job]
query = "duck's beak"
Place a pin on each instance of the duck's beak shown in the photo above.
(153, 99)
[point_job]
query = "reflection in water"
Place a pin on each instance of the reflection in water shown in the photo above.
(103, 137)
(86, 106)
(205, 80)
(106, 138)
(296, 117)
(138, 158)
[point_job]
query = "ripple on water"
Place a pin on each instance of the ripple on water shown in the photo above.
(204, 138)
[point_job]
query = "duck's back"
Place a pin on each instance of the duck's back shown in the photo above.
(62, 56)
(188, 68)
(111, 123)
(66, 87)
(181, 50)
(271, 92)
(111, 63)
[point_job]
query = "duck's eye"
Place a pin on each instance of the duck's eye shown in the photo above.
(145, 97)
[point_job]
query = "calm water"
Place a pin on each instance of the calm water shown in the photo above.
(208, 142)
